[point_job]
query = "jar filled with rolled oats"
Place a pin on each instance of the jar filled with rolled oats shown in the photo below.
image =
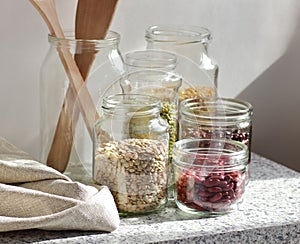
(130, 153)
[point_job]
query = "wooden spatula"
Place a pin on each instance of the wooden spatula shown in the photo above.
(47, 10)
(93, 18)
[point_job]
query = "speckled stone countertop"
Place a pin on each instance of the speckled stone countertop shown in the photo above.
(270, 213)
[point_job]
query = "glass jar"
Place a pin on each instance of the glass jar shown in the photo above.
(69, 144)
(161, 84)
(210, 175)
(221, 118)
(150, 59)
(144, 60)
(190, 44)
(131, 152)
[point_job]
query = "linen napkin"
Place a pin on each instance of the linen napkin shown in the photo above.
(33, 195)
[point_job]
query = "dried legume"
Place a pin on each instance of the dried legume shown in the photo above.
(195, 92)
(213, 191)
(135, 170)
(169, 114)
(241, 135)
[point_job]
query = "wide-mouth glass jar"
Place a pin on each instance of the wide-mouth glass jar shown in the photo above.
(194, 64)
(210, 175)
(131, 152)
(216, 118)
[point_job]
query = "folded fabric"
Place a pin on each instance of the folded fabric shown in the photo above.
(36, 196)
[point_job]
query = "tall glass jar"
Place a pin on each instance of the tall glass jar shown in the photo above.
(210, 175)
(69, 144)
(161, 84)
(131, 152)
(222, 118)
(190, 43)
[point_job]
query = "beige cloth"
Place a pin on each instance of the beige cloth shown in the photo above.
(33, 195)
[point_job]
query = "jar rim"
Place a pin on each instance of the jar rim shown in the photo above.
(178, 34)
(191, 148)
(151, 59)
(69, 40)
(216, 109)
(168, 78)
(134, 102)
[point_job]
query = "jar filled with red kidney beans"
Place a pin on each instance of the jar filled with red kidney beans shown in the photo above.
(216, 118)
(210, 175)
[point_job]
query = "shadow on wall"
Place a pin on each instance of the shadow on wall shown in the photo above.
(275, 96)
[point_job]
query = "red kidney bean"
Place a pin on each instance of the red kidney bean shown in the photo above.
(231, 193)
(223, 183)
(229, 186)
(214, 189)
(206, 194)
(227, 197)
(216, 197)
(211, 182)
(228, 178)
(215, 192)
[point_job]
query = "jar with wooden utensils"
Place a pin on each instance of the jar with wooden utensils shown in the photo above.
(65, 138)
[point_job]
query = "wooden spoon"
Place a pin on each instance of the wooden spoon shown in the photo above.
(47, 10)
(93, 18)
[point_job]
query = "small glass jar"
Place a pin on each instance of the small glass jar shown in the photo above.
(190, 44)
(131, 152)
(210, 175)
(221, 118)
(144, 60)
(150, 59)
(58, 103)
(161, 84)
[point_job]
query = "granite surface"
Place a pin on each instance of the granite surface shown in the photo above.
(270, 213)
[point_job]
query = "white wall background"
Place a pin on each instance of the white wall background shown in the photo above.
(256, 43)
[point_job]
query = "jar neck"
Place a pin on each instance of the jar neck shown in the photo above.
(207, 152)
(178, 35)
(111, 41)
(134, 105)
(151, 59)
(216, 112)
(188, 41)
(161, 84)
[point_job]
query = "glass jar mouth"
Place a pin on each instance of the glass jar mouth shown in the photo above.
(131, 103)
(69, 41)
(178, 34)
(188, 152)
(216, 109)
(153, 78)
(151, 59)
